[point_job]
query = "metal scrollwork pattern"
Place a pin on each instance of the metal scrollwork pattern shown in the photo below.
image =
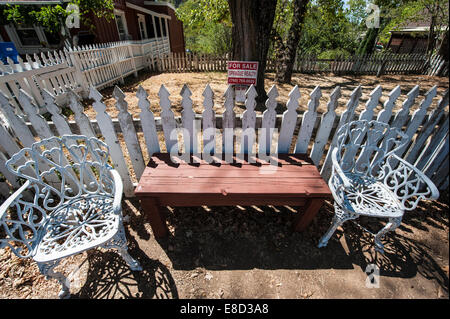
(68, 203)
(20, 221)
(368, 178)
(79, 223)
(408, 184)
(64, 168)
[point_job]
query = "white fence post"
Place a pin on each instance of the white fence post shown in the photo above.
(249, 121)
(81, 119)
(148, 122)
(188, 118)
(326, 124)
(107, 128)
(308, 121)
(129, 132)
(289, 121)
(208, 121)
(228, 121)
(268, 121)
(346, 117)
(168, 120)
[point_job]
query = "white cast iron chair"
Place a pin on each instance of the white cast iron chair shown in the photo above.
(70, 202)
(369, 179)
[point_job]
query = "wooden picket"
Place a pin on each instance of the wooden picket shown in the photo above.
(168, 121)
(289, 121)
(326, 124)
(81, 119)
(229, 118)
(209, 121)
(248, 137)
(129, 132)
(188, 121)
(426, 128)
(110, 136)
(148, 122)
(308, 120)
(102, 65)
(376, 64)
(268, 121)
(346, 116)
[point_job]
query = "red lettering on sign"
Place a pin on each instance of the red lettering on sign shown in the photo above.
(242, 72)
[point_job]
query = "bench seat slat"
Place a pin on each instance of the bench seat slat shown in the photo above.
(295, 177)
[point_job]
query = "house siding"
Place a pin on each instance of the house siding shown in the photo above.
(106, 31)
(176, 35)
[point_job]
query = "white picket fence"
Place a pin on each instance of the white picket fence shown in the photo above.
(98, 65)
(132, 141)
(103, 65)
(376, 64)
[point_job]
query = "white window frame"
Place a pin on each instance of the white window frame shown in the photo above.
(11, 30)
(121, 13)
(141, 18)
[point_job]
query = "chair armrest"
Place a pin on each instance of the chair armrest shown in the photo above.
(345, 180)
(407, 182)
(17, 217)
(7, 203)
(118, 191)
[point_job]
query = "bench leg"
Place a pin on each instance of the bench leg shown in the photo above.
(302, 221)
(155, 217)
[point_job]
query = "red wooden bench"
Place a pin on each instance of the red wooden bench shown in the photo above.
(167, 182)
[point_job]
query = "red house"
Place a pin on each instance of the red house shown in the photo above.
(134, 20)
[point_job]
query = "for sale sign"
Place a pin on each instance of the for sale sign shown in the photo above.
(242, 72)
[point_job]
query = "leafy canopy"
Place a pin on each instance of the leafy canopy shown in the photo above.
(207, 25)
(52, 17)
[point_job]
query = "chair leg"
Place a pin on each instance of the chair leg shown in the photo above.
(119, 242)
(392, 224)
(47, 270)
(340, 217)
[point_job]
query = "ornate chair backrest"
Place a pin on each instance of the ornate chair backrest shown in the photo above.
(56, 169)
(64, 168)
(364, 145)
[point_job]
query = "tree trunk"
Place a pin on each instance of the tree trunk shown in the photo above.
(369, 41)
(430, 43)
(288, 52)
(252, 23)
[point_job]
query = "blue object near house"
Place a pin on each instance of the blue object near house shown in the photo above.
(8, 49)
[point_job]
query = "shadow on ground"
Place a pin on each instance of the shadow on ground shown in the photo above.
(110, 277)
(243, 238)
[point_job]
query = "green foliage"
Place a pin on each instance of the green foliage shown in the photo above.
(283, 18)
(207, 25)
(415, 11)
(215, 38)
(52, 17)
(333, 53)
(328, 28)
(197, 13)
(356, 12)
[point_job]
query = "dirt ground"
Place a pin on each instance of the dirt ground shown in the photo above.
(250, 252)
(306, 83)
